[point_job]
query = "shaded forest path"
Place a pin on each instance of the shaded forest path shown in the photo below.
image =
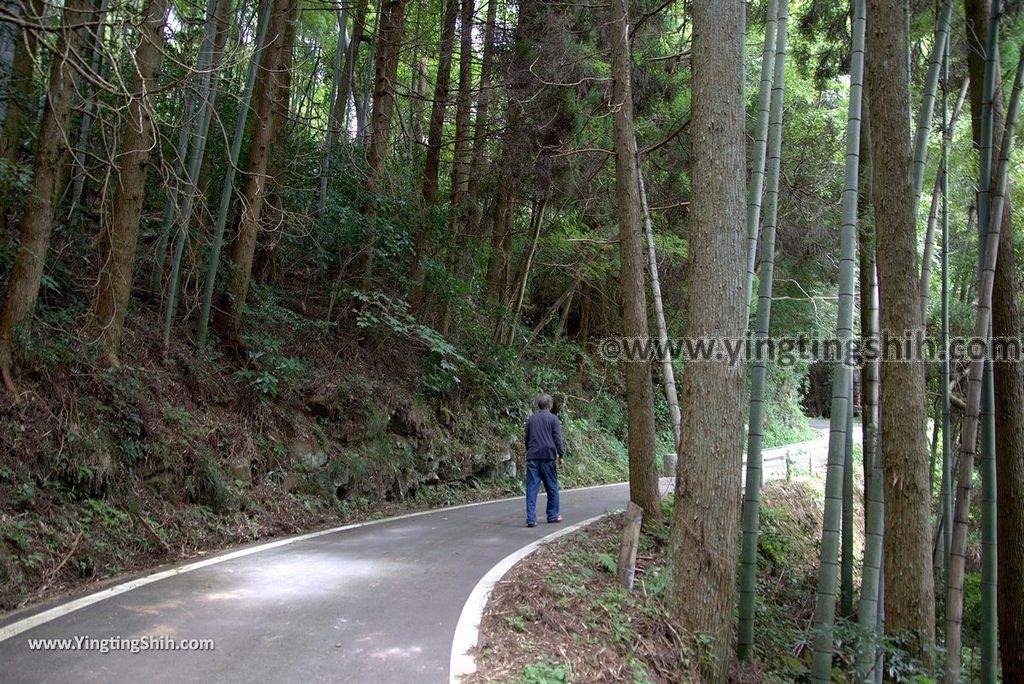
(371, 603)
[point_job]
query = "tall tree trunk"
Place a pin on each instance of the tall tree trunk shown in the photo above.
(228, 318)
(868, 612)
(979, 382)
(363, 99)
(868, 299)
(174, 188)
(483, 107)
(192, 129)
(223, 23)
(228, 189)
(335, 119)
(344, 94)
(842, 377)
(909, 595)
(267, 64)
(428, 191)
(209, 82)
(459, 263)
(501, 234)
(418, 107)
(389, 44)
(82, 148)
(703, 540)
(119, 233)
(463, 137)
(643, 471)
(536, 224)
(762, 326)
(20, 96)
(1007, 323)
(284, 106)
(1008, 375)
(37, 220)
(871, 590)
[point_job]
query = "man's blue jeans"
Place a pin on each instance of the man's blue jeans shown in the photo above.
(541, 471)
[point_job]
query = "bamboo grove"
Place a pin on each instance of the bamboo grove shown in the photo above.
(519, 172)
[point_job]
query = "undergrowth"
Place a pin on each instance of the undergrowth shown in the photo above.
(561, 616)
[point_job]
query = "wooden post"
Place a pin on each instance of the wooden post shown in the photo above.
(630, 541)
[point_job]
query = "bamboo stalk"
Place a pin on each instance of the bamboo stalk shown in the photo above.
(990, 215)
(756, 185)
(667, 371)
(825, 601)
(759, 368)
(227, 191)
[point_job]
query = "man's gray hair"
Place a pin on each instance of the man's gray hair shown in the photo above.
(544, 401)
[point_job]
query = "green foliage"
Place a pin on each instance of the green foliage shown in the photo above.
(784, 421)
(972, 607)
(383, 317)
(121, 410)
(269, 370)
(15, 180)
(593, 456)
(16, 532)
(608, 562)
(543, 672)
(57, 346)
(103, 513)
(575, 581)
(209, 485)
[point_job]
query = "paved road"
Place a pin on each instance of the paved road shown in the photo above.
(371, 604)
(377, 603)
(804, 457)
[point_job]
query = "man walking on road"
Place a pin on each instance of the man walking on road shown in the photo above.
(543, 443)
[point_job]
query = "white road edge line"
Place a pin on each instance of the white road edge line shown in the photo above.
(467, 631)
(32, 621)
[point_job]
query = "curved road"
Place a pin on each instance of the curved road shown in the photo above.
(376, 603)
(802, 458)
(371, 603)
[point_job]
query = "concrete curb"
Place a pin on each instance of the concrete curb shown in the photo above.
(467, 631)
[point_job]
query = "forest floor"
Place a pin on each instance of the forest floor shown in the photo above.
(560, 615)
(176, 455)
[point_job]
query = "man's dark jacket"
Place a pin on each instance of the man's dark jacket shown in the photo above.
(544, 436)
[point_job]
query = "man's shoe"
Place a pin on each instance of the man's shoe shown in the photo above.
(531, 524)
(555, 520)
